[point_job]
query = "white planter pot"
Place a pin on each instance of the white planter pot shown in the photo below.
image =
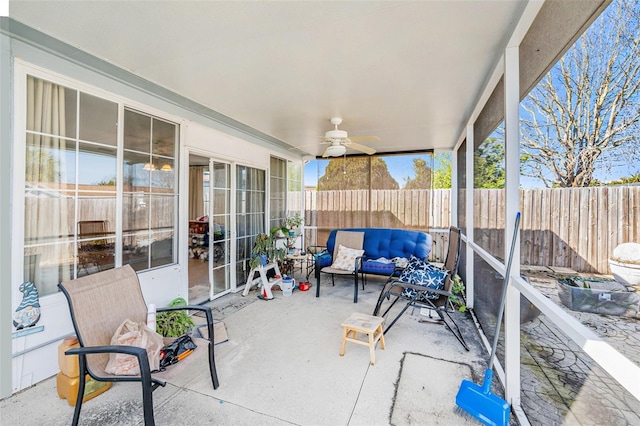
(625, 273)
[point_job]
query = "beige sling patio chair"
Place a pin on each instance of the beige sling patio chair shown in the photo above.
(98, 304)
(419, 294)
(351, 240)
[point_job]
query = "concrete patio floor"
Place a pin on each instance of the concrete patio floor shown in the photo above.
(281, 366)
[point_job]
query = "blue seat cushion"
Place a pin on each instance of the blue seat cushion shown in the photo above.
(379, 268)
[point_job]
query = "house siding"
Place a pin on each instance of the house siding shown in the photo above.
(33, 358)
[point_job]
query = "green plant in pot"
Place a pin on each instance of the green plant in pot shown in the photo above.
(264, 251)
(260, 251)
(174, 323)
(293, 222)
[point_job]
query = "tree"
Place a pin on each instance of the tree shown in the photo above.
(488, 164)
(442, 173)
(422, 175)
(625, 180)
(41, 166)
(353, 173)
(585, 113)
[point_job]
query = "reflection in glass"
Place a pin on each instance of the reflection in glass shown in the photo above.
(137, 131)
(161, 248)
(164, 138)
(135, 177)
(97, 166)
(135, 212)
(163, 208)
(162, 175)
(95, 254)
(98, 120)
(48, 216)
(50, 160)
(221, 173)
(48, 265)
(97, 209)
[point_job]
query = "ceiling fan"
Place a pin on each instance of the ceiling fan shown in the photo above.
(339, 141)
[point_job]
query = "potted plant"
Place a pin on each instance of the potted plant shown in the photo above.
(264, 251)
(260, 250)
(174, 323)
(293, 222)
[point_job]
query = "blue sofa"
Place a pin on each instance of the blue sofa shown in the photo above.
(378, 242)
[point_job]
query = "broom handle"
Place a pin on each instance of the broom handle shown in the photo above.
(504, 293)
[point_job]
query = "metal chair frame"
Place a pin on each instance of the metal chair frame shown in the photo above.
(442, 304)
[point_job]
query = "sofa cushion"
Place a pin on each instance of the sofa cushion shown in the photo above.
(371, 266)
(389, 242)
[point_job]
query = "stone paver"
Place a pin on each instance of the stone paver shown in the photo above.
(563, 385)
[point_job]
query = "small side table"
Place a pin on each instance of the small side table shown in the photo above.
(366, 324)
(301, 259)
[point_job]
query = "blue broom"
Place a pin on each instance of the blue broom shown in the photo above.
(478, 400)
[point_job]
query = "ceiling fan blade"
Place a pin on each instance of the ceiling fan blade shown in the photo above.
(365, 149)
(364, 139)
(325, 154)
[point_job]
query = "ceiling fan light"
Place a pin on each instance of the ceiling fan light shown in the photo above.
(336, 150)
(336, 134)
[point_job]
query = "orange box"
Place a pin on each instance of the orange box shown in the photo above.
(68, 364)
(68, 388)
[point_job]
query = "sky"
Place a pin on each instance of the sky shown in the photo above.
(400, 167)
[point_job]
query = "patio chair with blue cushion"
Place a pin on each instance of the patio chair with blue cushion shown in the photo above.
(424, 285)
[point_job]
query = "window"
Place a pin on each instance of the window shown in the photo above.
(71, 181)
(149, 199)
(278, 193)
(250, 214)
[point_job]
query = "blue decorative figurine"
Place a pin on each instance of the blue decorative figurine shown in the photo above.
(28, 313)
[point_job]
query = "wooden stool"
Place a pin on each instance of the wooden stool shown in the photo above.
(367, 324)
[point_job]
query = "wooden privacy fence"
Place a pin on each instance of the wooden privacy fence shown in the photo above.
(577, 228)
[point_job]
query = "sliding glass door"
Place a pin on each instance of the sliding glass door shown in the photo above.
(219, 227)
(250, 215)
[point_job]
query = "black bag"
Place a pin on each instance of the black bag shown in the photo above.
(176, 350)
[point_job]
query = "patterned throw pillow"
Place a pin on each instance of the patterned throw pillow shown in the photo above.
(423, 273)
(346, 258)
(415, 264)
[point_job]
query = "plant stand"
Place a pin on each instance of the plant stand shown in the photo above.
(262, 280)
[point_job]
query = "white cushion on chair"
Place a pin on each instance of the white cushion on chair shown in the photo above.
(346, 258)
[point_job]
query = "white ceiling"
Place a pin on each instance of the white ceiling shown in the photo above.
(408, 72)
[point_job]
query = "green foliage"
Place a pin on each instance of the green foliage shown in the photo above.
(41, 166)
(442, 173)
(353, 173)
(294, 221)
(458, 294)
(110, 182)
(266, 244)
(635, 178)
(489, 164)
(174, 323)
(422, 179)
